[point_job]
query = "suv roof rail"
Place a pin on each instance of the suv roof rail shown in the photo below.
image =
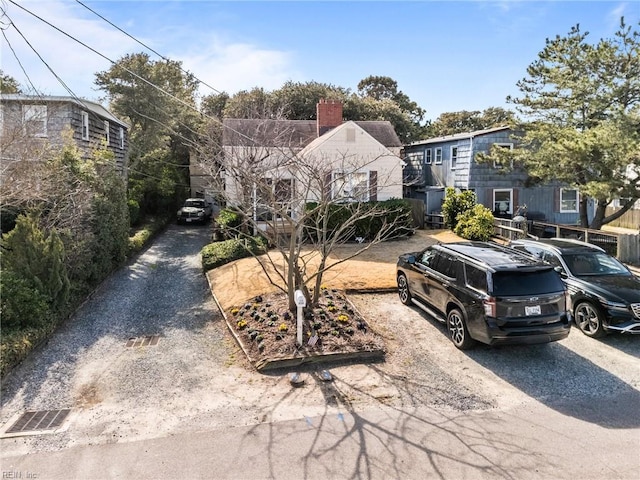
(579, 242)
(479, 257)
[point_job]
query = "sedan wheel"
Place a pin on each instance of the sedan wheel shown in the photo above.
(403, 289)
(458, 330)
(589, 320)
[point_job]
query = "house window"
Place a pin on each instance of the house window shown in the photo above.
(273, 198)
(353, 187)
(121, 137)
(454, 156)
(106, 131)
(569, 200)
(35, 120)
(438, 159)
(85, 126)
(427, 156)
(503, 202)
(507, 146)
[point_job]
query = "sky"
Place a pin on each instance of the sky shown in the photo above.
(446, 56)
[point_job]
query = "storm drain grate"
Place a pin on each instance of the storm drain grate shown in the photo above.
(149, 340)
(39, 420)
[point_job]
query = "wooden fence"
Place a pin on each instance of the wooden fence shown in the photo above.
(630, 219)
(625, 247)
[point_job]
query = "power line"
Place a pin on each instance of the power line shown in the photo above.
(189, 141)
(166, 59)
(17, 59)
(151, 84)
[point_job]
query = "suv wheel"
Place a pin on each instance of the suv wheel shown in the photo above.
(589, 319)
(403, 289)
(458, 330)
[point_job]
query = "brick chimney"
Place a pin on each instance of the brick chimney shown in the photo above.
(329, 114)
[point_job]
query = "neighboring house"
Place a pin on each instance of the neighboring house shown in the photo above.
(450, 161)
(31, 124)
(356, 160)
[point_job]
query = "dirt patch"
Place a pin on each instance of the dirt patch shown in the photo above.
(236, 283)
(88, 396)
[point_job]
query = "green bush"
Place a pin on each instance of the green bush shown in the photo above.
(389, 212)
(230, 219)
(139, 240)
(220, 253)
(38, 258)
(17, 344)
(146, 232)
(134, 212)
(475, 224)
(456, 203)
(21, 304)
(374, 215)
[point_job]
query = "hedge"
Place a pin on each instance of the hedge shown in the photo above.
(395, 212)
(220, 253)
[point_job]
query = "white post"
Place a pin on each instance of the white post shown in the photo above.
(301, 302)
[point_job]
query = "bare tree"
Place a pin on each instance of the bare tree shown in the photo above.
(307, 203)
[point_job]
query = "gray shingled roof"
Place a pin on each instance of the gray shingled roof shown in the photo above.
(293, 133)
(459, 136)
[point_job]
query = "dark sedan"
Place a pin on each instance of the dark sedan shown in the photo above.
(604, 293)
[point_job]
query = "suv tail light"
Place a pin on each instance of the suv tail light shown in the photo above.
(490, 307)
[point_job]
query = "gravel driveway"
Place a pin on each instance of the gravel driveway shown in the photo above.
(196, 378)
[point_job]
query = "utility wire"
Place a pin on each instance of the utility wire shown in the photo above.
(131, 167)
(151, 84)
(166, 59)
(18, 60)
(66, 87)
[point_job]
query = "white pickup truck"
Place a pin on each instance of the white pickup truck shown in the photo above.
(195, 210)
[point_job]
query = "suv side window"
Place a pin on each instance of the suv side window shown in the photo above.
(446, 266)
(552, 259)
(476, 278)
(428, 258)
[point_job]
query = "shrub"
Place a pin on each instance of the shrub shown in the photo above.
(374, 215)
(134, 212)
(37, 258)
(220, 253)
(16, 345)
(230, 219)
(139, 240)
(21, 304)
(145, 233)
(475, 224)
(456, 203)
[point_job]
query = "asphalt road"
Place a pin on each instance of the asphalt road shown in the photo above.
(192, 407)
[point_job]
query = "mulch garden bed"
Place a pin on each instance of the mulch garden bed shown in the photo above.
(332, 331)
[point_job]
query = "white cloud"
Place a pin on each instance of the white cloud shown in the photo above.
(69, 60)
(239, 66)
(613, 19)
(224, 64)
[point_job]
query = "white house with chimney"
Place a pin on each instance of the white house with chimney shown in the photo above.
(301, 161)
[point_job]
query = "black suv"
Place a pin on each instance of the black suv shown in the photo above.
(604, 294)
(486, 292)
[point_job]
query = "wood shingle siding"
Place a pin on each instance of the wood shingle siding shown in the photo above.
(65, 113)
